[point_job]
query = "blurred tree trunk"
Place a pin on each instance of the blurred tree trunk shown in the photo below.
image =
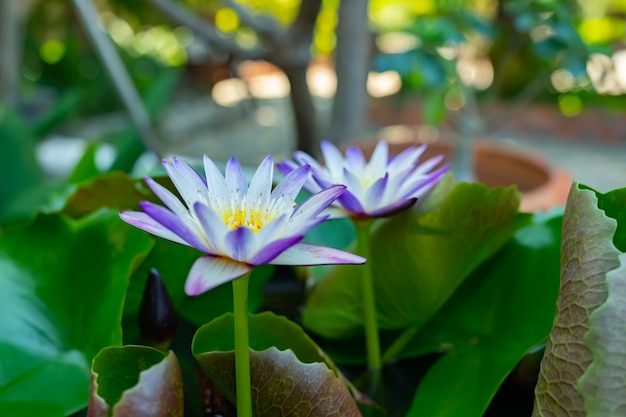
(352, 63)
(307, 131)
(10, 51)
(289, 49)
(291, 52)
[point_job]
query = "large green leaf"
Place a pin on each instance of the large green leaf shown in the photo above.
(135, 381)
(282, 385)
(489, 324)
(62, 284)
(418, 258)
(290, 374)
(265, 330)
(587, 254)
(279, 344)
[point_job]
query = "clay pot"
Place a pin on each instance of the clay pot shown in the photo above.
(541, 187)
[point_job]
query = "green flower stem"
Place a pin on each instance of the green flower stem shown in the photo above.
(242, 347)
(363, 228)
(399, 344)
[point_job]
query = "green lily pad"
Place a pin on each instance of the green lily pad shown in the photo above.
(282, 385)
(63, 284)
(587, 254)
(31, 408)
(418, 259)
(265, 330)
(489, 324)
(135, 381)
(271, 337)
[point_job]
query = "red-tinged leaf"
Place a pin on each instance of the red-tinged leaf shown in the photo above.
(587, 254)
(283, 386)
(135, 381)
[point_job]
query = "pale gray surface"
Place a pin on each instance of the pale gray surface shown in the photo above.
(600, 166)
(252, 130)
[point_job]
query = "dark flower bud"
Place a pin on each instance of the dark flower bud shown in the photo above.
(157, 318)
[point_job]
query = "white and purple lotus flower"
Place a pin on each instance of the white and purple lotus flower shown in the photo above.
(238, 226)
(378, 188)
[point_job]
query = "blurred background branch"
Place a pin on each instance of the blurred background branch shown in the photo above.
(10, 50)
(118, 74)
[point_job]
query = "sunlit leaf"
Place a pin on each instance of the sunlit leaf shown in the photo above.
(418, 259)
(502, 311)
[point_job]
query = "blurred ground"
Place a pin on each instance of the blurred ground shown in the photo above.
(250, 133)
(193, 126)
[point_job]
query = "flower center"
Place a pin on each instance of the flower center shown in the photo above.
(368, 179)
(241, 217)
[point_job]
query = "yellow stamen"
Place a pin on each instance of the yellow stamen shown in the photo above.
(240, 217)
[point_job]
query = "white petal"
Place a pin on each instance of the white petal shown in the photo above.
(406, 159)
(144, 222)
(215, 180)
(333, 158)
(355, 160)
(378, 161)
(270, 231)
(304, 158)
(235, 179)
(186, 181)
(303, 254)
(318, 171)
(170, 200)
(240, 243)
(210, 271)
(214, 228)
(428, 165)
(261, 184)
(291, 185)
(354, 184)
(314, 205)
(375, 194)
